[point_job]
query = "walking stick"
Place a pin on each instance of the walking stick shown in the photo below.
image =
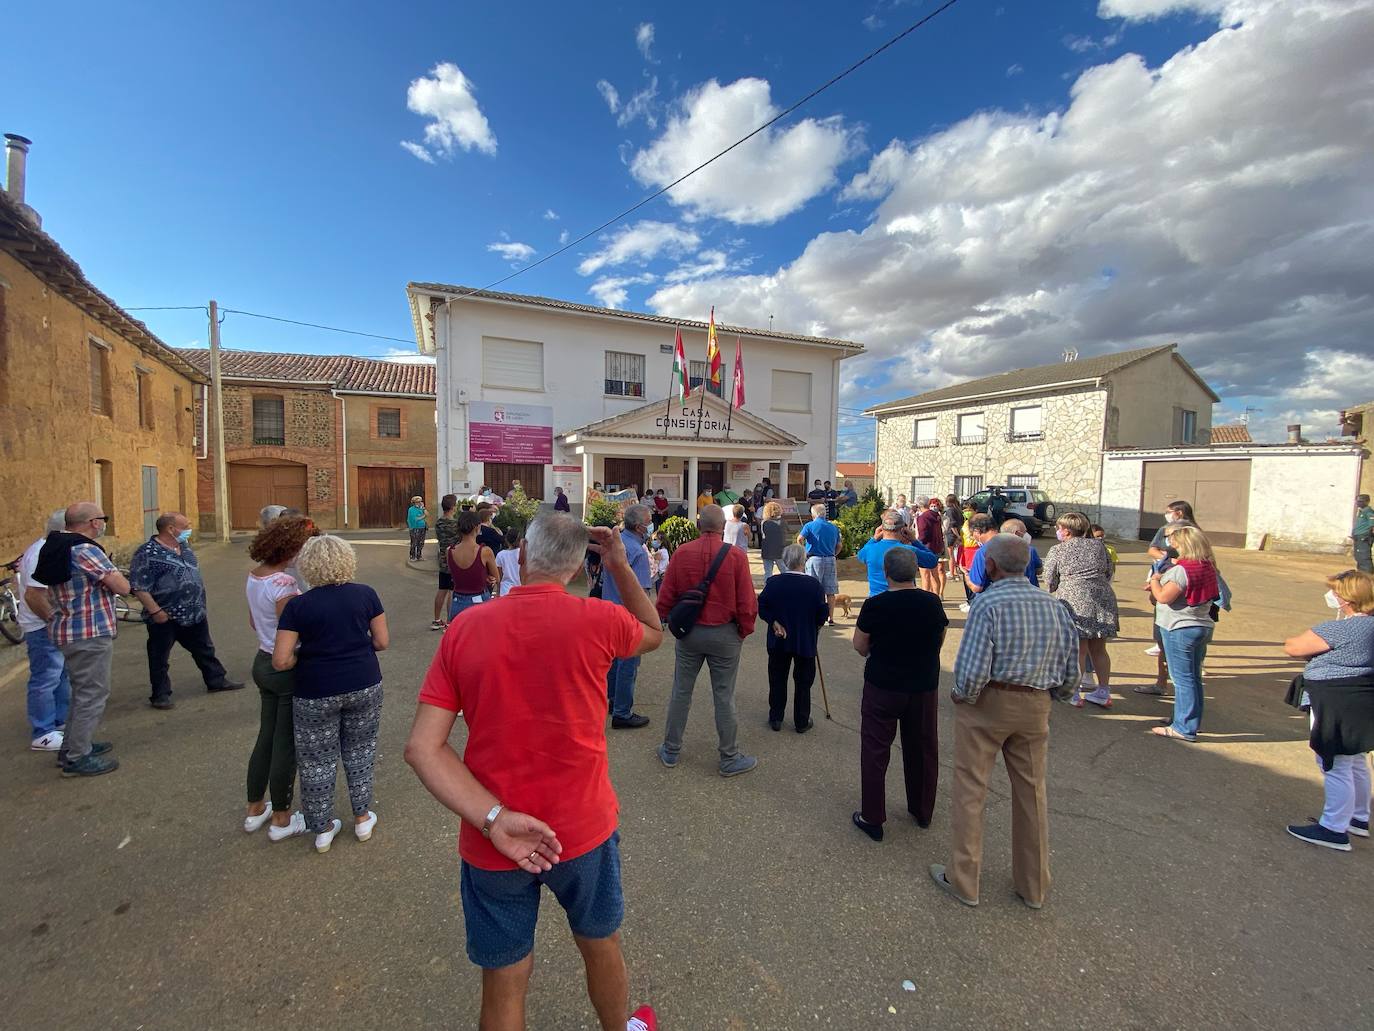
(825, 699)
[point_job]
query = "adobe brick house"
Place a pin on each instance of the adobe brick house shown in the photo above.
(347, 440)
(92, 405)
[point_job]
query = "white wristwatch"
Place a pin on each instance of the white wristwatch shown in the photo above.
(491, 819)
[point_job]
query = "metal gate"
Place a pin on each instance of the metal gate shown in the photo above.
(384, 495)
(1219, 492)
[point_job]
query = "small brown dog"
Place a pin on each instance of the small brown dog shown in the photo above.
(842, 601)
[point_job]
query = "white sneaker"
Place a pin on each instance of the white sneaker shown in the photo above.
(49, 742)
(963, 606)
(1100, 696)
(252, 823)
(364, 830)
(1152, 650)
(295, 826)
(1087, 682)
(323, 841)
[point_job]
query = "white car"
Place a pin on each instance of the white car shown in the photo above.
(1033, 507)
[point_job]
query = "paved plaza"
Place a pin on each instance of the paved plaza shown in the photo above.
(135, 901)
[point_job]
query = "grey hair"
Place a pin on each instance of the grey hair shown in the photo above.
(711, 517)
(57, 522)
(269, 513)
(891, 519)
(1010, 553)
(637, 517)
(1014, 526)
(555, 544)
(327, 559)
(818, 511)
(900, 566)
(793, 556)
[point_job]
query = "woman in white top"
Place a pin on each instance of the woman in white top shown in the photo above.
(736, 528)
(658, 560)
(508, 562)
(273, 762)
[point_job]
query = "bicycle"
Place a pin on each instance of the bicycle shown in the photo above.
(124, 604)
(9, 607)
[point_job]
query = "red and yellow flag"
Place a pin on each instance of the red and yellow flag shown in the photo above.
(712, 356)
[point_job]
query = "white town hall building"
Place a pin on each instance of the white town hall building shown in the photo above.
(555, 393)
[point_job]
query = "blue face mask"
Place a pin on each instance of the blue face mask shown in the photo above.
(185, 535)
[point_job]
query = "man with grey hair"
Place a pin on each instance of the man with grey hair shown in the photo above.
(635, 523)
(726, 618)
(268, 513)
(821, 538)
(533, 784)
(78, 603)
(1019, 649)
(49, 689)
(792, 607)
(891, 533)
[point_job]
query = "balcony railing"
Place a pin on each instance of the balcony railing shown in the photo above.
(971, 438)
(925, 442)
(1019, 435)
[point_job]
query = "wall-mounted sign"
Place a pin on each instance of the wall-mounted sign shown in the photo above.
(686, 419)
(499, 432)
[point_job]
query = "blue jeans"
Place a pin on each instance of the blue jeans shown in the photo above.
(1184, 649)
(49, 690)
(620, 685)
(463, 602)
(771, 566)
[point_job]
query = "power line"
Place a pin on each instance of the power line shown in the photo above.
(716, 157)
(316, 325)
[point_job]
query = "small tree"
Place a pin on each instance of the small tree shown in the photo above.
(517, 512)
(857, 522)
(601, 512)
(677, 531)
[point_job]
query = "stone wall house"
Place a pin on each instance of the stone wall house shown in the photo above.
(1044, 427)
(93, 406)
(347, 440)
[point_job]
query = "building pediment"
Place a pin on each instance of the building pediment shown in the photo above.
(710, 420)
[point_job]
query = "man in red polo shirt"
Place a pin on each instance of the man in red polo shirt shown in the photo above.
(726, 619)
(533, 785)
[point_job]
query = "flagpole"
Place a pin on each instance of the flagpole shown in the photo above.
(672, 376)
(706, 373)
(730, 417)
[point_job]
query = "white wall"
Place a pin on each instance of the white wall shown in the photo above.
(1122, 482)
(574, 371)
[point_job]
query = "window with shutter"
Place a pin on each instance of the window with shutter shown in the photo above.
(972, 429)
(791, 391)
(101, 402)
(924, 433)
(1026, 423)
(513, 364)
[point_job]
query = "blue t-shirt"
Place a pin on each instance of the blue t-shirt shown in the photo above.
(336, 653)
(415, 520)
(639, 565)
(874, 552)
(822, 538)
(978, 571)
(1352, 649)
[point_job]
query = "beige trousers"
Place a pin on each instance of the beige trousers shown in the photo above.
(1017, 724)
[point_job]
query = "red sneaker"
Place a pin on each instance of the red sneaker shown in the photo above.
(643, 1019)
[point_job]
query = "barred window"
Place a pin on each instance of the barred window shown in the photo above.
(269, 421)
(1024, 480)
(624, 374)
(921, 487)
(696, 374)
(389, 423)
(967, 486)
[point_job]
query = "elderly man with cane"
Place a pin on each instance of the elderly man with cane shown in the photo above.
(794, 609)
(1019, 649)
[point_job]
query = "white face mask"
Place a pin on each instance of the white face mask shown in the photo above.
(1332, 602)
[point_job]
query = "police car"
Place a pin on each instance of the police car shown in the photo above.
(1033, 507)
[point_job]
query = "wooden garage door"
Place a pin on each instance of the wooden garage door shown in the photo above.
(623, 473)
(1218, 491)
(499, 476)
(384, 495)
(256, 483)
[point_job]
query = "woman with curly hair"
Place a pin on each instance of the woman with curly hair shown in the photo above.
(337, 709)
(273, 761)
(1077, 569)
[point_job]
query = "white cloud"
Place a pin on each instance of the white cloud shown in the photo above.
(640, 243)
(642, 104)
(766, 179)
(512, 250)
(1145, 10)
(1014, 69)
(402, 356)
(564, 237)
(446, 97)
(550, 215)
(644, 39)
(1221, 200)
(708, 263)
(609, 94)
(611, 291)
(418, 151)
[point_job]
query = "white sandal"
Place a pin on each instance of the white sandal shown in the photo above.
(294, 826)
(253, 823)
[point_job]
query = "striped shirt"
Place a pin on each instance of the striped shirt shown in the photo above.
(1017, 634)
(82, 608)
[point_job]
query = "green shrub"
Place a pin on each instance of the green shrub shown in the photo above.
(518, 510)
(857, 522)
(601, 512)
(677, 531)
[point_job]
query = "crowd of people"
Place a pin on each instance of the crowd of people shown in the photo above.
(532, 785)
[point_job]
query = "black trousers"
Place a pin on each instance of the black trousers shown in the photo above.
(195, 638)
(803, 676)
(883, 714)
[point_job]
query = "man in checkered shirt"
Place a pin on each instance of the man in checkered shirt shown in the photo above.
(81, 622)
(1019, 649)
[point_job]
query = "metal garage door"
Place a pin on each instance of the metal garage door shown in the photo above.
(260, 482)
(1219, 492)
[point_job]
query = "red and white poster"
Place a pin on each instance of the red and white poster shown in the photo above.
(499, 432)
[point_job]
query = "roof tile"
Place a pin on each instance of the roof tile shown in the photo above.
(339, 371)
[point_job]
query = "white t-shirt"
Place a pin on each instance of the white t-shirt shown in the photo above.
(508, 561)
(263, 594)
(659, 562)
(736, 532)
(27, 564)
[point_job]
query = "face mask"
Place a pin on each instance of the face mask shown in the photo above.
(1332, 602)
(1169, 517)
(1060, 534)
(185, 535)
(100, 530)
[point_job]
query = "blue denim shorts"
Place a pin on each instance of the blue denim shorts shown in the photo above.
(501, 907)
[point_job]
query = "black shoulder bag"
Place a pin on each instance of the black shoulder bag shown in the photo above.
(687, 609)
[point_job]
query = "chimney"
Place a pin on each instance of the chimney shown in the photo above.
(16, 160)
(1294, 433)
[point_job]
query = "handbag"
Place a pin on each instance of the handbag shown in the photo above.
(687, 609)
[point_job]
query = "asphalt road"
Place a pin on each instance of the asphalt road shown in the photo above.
(136, 901)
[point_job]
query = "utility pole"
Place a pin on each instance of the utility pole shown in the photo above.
(221, 467)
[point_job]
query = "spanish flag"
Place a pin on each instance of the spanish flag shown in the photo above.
(712, 356)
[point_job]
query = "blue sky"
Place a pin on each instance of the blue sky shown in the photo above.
(255, 155)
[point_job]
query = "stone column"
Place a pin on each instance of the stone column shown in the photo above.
(693, 488)
(782, 479)
(588, 467)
